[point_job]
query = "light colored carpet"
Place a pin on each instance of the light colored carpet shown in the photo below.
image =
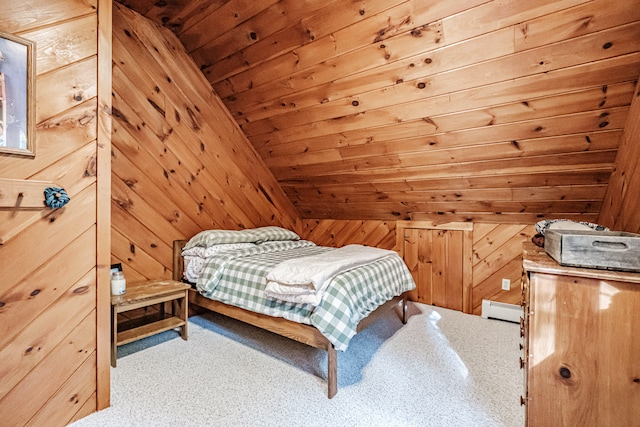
(443, 368)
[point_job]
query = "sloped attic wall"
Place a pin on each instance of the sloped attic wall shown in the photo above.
(180, 164)
(475, 110)
(621, 207)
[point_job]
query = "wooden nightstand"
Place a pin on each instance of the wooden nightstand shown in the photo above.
(169, 294)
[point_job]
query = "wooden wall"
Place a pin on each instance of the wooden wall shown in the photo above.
(621, 207)
(180, 163)
(497, 254)
(475, 110)
(338, 233)
(497, 251)
(53, 297)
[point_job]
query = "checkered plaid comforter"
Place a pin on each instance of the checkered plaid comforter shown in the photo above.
(239, 278)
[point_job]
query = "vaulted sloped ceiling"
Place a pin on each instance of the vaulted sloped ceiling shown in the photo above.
(471, 110)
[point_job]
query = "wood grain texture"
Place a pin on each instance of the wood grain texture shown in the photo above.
(367, 113)
(180, 164)
(622, 201)
(49, 287)
(438, 256)
(103, 211)
(580, 348)
(494, 252)
(497, 255)
(338, 233)
(65, 358)
(356, 106)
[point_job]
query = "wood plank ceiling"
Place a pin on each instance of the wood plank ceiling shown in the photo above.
(475, 110)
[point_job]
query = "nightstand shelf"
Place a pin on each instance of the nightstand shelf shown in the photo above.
(172, 297)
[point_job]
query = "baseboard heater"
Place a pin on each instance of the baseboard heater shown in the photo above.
(501, 311)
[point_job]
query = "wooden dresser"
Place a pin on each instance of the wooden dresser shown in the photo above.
(581, 349)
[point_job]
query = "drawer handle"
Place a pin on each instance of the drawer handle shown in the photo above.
(521, 327)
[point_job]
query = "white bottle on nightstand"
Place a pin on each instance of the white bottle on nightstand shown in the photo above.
(118, 283)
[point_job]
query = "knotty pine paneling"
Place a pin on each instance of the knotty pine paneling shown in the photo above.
(438, 261)
(622, 201)
(180, 164)
(57, 368)
(338, 233)
(497, 254)
(49, 288)
(359, 107)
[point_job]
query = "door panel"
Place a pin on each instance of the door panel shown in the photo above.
(436, 259)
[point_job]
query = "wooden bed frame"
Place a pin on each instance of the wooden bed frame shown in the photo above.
(297, 331)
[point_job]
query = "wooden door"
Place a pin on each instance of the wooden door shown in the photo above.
(439, 260)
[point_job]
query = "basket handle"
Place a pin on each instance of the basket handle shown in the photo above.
(613, 246)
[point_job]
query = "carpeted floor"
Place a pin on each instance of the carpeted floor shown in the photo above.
(443, 368)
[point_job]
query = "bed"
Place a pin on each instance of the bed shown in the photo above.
(247, 275)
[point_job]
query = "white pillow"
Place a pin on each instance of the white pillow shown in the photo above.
(192, 268)
(205, 252)
(218, 237)
(272, 233)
